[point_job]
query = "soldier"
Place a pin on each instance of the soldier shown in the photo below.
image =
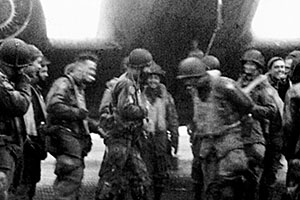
(123, 165)
(212, 66)
(15, 97)
(35, 117)
(220, 109)
(163, 123)
(277, 76)
(293, 55)
(264, 144)
(291, 131)
(67, 118)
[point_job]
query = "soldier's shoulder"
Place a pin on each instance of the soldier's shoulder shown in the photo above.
(225, 82)
(112, 82)
(124, 81)
(294, 91)
(62, 82)
(295, 86)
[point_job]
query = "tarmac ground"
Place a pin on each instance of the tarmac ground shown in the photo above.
(179, 186)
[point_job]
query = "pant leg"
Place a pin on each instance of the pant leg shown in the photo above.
(268, 180)
(7, 171)
(139, 177)
(31, 174)
(69, 172)
(113, 181)
(222, 178)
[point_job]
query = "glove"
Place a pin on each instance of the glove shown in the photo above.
(82, 113)
(174, 143)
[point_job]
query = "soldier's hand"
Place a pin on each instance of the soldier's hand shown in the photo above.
(83, 113)
(3, 181)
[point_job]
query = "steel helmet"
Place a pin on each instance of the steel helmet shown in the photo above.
(191, 67)
(196, 53)
(34, 52)
(254, 56)
(140, 58)
(14, 53)
(212, 62)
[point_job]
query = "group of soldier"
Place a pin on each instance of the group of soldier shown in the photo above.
(243, 130)
(23, 69)
(138, 123)
(240, 132)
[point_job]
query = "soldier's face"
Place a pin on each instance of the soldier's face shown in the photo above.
(43, 73)
(153, 80)
(33, 70)
(278, 70)
(250, 71)
(288, 67)
(136, 72)
(190, 83)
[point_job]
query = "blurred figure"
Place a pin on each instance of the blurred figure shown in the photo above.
(15, 97)
(212, 65)
(195, 51)
(220, 108)
(35, 117)
(291, 131)
(43, 72)
(69, 127)
(264, 144)
(123, 166)
(293, 55)
(124, 65)
(162, 125)
(277, 76)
